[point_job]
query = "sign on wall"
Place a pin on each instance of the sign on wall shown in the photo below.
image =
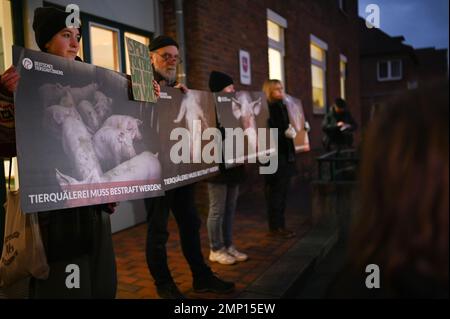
(245, 67)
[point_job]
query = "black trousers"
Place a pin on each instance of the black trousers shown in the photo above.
(181, 202)
(276, 190)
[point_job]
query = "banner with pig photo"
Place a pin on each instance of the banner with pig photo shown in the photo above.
(80, 139)
(188, 136)
(297, 120)
(244, 118)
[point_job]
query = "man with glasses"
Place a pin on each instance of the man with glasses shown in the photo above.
(165, 59)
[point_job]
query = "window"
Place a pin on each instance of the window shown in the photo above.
(343, 76)
(275, 33)
(319, 73)
(105, 47)
(390, 70)
(342, 5)
(138, 38)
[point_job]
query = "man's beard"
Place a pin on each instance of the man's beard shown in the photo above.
(170, 76)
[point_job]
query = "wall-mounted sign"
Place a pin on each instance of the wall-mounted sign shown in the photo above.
(246, 67)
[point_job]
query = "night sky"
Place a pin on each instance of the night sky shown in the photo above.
(423, 23)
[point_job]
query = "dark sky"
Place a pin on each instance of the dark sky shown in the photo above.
(423, 23)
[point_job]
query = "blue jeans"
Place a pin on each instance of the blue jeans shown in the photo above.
(222, 206)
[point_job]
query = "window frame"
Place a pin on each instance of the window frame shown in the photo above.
(279, 46)
(323, 65)
(389, 76)
(343, 75)
(119, 42)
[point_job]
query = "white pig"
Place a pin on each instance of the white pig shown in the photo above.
(113, 146)
(125, 123)
(143, 167)
(89, 116)
(294, 108)
(245, 110)
(102, 106)
(79, 148)
(55, 115)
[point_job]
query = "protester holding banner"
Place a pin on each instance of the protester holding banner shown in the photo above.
(223, 193)
(165, 58)
(277, 185)
(80, 236)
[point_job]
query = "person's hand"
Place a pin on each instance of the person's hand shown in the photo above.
(290, 133)
(182, 87)
(9, 81)
(307, 127)
(340, 124)
(157, 89)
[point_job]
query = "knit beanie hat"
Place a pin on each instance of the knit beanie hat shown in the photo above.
(48, 21)
(161, 42)
(218, 81)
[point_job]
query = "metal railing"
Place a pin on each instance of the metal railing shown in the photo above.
(338, 165)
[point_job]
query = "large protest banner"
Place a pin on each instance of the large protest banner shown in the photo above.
(188, 153)
(297, 120)
(80, 139)
(244, 118)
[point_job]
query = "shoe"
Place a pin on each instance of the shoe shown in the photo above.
(282, 233)
(232, 251)
(211, 283)
(221, 257)
(169, 291)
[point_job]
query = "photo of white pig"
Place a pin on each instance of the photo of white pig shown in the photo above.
(191, 110)
(89, 116)
(102, 105)
(54, 117)
(245, 110)
(126, 123)
(295, 111)
(113, 146)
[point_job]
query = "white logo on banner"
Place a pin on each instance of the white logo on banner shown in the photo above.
(27, 64)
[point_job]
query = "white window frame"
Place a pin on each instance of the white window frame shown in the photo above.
(343, 75)
(389, 76)
(323, 65)
(119, 41)
(278, 45)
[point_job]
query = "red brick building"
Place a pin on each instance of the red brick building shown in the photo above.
(389, 68)
(215, 31)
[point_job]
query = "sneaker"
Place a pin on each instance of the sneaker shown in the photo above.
(221, 257)
(211, 283)
(232, 251)
(169, 291)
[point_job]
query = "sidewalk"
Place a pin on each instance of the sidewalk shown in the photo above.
(250, 236)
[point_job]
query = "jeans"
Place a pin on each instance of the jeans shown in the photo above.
(222, 206)
(181, 202)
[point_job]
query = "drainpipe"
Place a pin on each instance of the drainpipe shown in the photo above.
(180, 39)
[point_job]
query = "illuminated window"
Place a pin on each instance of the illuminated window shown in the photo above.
(275, 33)
(138, 38)
(6, 35)
(105, 47)
(319, 74)
(343, 77)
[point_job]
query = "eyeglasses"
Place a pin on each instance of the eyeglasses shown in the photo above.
(166, 57)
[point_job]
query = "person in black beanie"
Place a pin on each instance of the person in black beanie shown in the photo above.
(223, 193)
(180, 201)
(80, 236)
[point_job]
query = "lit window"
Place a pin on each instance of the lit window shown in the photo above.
(105, 47)
(390, 70)
(319, 74)
(6, 35)
(138, 38)
(343, 77)
(275, 33)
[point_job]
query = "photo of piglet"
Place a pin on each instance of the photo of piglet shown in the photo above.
(100, 145)
(297, 120)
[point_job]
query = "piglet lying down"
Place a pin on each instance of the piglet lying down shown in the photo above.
(143, 167)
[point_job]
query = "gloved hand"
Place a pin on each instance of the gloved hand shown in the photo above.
(290, 132)
(307, 127)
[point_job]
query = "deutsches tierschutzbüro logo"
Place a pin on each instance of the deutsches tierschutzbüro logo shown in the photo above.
(40, 66)
(27, 64)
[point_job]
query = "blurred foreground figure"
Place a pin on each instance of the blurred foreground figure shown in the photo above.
(402, 224)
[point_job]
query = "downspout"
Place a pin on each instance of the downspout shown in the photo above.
(180, 39)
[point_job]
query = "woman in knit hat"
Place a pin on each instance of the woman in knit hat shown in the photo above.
(223, 194)
(80, 236)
